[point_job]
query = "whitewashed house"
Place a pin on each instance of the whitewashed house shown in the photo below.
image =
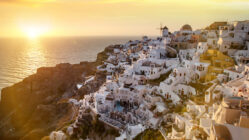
(233, 35)
(149, 69)
(212, 38)
(187, 54)
(201, 47)
(182, 89)
(232, 74)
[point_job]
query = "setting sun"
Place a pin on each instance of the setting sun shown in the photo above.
(33, 32)
(124, 69)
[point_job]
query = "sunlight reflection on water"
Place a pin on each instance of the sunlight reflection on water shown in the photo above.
(33, 56)
(20, 58)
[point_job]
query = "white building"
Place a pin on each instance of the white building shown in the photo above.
(165, 31)
(212, 38)
(233, 35)
(201, 47)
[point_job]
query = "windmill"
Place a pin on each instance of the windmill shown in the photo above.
(160, 28)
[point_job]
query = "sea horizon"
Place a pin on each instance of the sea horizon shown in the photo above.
(21, 57)
(124, 69)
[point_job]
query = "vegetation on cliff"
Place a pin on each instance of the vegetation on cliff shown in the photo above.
(149, 134)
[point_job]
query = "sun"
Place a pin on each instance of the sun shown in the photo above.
(33, 32)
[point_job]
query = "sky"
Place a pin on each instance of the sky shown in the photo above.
(113, 17)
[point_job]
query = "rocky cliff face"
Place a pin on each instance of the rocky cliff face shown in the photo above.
(38, 105)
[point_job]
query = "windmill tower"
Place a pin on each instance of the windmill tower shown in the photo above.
(160, 28)
(164, 31)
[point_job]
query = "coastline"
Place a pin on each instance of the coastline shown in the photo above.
(21, 57)
(48, 88)
(144, 88)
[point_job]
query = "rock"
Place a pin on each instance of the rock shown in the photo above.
(34, 107)
(34, 135)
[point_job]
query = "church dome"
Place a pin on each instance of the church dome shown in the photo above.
(186, 27)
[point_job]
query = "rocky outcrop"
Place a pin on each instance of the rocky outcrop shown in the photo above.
(89, 126)
(37, 105)
(92, 86)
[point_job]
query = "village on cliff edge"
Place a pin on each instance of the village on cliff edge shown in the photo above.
(183, 85)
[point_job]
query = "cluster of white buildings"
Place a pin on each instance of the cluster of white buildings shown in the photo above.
(126, 97)
(224, 112)
(177, 63)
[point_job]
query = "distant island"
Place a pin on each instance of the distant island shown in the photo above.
(182, 85)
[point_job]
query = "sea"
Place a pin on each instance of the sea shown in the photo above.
(20, 57)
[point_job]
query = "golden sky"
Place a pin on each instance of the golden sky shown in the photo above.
(113, 17)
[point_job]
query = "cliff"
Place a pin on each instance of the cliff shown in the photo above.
(38, 105)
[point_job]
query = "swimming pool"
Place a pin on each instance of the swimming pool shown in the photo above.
(118, 107)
